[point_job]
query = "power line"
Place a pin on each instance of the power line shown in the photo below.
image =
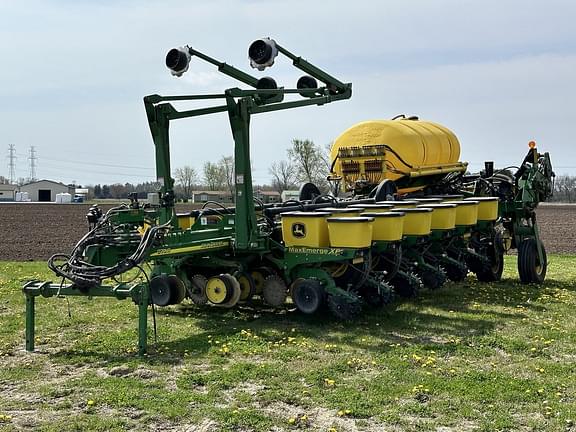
(32, 158)
(12, 162)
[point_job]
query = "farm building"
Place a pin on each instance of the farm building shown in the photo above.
(7, 192)
(268, 196)
(218, 196)
(46, 190)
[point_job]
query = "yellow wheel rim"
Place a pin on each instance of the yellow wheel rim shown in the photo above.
(216, 290)
(244, 287)
(258, 281)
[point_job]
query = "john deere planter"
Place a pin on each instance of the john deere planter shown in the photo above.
(403, 215)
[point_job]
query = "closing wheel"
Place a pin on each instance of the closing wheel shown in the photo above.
(197, 292)
(456, 271)
(160, 290)
(235, 291)
(307, 295)
(219, 289)
(433, 278)
(530, 268)
(406, 284)
(274, 291)
(247, 286)
(259, 275)
(343, 308)
(377, 293)
(491, 271)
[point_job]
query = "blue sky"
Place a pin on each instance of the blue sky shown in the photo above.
(498, 73)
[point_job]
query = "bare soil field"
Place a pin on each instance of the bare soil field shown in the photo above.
(30, 232)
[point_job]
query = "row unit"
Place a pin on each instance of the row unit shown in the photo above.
(358, 225)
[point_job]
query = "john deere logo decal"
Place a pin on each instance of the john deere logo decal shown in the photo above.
(299, 230)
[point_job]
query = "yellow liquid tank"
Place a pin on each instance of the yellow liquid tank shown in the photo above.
(391, 149)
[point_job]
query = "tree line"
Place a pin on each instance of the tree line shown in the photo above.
(304, 162)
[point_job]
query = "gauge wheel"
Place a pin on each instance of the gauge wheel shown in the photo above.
(247, 286)
(235, 289)
(219, 290)
(491, 270)
(307, 295)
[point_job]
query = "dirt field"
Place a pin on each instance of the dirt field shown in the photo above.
(30, 232)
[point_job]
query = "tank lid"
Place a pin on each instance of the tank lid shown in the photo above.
(305, 214)
(428, 200)
(462, 202)
(447, 196)
(437, 205)
(339, 210)
(382, 215)
(481, 199)
(424, 209)
(350, 219)
(373, 206)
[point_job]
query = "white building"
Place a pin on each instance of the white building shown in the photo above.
(46, 190)
(7, 192)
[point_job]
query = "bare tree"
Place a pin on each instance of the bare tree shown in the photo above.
(565, 188)
(283, 175)
(186, 177)
(214, 177)
(310, 162)
(227, 166)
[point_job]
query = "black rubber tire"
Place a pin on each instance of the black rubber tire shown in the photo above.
(385, 191)
(492, 271)
(308, 295)
(308, 191)
(530, 269)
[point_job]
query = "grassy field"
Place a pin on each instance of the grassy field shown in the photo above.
(471, 356)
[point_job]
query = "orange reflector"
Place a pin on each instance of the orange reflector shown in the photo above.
(532, 144)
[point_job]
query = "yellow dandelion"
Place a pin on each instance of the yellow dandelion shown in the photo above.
(329, 382)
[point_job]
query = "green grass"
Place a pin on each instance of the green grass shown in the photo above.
(470, 356)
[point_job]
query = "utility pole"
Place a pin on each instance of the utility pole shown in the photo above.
(12, 162)
(32, 158)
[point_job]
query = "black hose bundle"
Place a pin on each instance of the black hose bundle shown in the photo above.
(85, 275)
